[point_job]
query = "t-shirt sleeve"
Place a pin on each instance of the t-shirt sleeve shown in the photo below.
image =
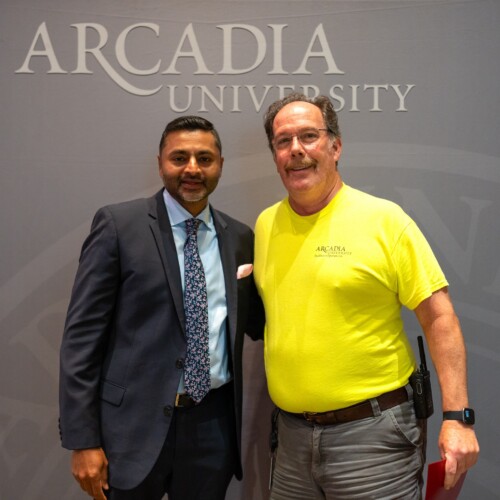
(419, 274)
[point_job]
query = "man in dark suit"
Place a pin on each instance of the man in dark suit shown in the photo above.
(135, 429)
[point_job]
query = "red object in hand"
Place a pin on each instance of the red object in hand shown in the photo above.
(435, 483)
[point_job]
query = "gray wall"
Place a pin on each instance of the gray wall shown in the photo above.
(84, 98)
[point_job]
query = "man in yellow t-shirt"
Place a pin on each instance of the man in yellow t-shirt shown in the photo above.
(334, 266)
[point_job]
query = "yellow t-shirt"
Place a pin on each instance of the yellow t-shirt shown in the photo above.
(333, 284)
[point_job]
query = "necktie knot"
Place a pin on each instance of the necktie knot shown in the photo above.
(192, 226)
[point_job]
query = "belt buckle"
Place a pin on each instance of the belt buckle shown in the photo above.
(308, 415)
(186, 403)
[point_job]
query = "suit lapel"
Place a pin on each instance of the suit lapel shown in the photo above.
(164, 238)
(227, 255)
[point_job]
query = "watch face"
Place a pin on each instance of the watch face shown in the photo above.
(469, 417)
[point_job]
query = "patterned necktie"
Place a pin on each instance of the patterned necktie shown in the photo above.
(197, 365)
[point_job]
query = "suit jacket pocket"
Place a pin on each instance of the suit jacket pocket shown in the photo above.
(112, 393)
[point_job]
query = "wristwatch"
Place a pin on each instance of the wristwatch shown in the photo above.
(466, 415)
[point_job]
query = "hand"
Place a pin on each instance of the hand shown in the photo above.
(459, 447)
(90, 469)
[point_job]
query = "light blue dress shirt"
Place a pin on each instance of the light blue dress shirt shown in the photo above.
(216, 289)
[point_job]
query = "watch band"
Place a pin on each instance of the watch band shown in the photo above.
(466, 416)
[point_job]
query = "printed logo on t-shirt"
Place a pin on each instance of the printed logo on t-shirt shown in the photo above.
(331, 251)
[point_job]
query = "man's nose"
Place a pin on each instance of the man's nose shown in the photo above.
(192, 165)
(296, 147)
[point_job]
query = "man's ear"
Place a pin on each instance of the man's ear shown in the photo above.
(160, 171)
(337, 148)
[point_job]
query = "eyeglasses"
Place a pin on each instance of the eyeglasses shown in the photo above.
(306, 137)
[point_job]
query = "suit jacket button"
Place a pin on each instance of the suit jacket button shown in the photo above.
(179, 364)
(167, 411)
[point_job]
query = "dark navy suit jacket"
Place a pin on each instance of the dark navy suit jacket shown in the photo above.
(124, 341)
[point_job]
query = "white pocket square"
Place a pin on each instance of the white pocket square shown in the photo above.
(244, 270)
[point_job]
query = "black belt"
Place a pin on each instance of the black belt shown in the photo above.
(355, 412)
(185, 401)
